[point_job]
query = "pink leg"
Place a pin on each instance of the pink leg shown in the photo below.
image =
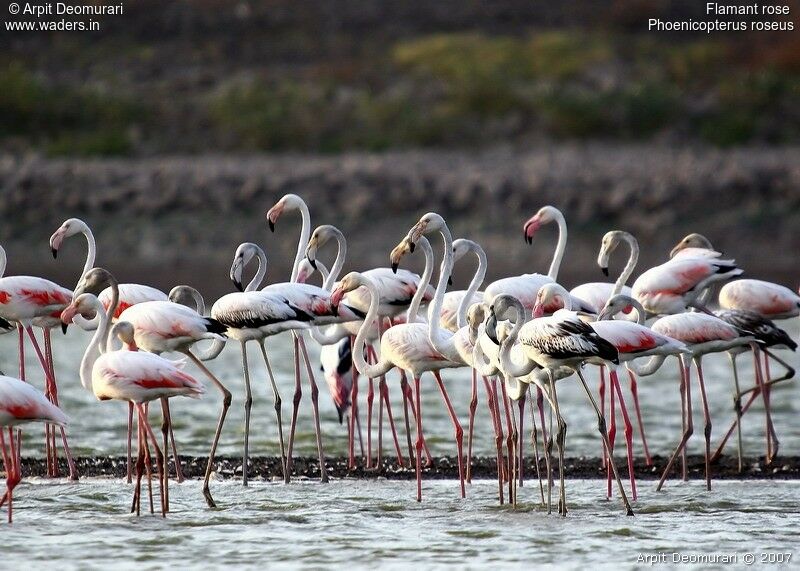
(602, 391)
(459, 433)
(419, 437)
(612, 432)
(351, 460)
(407, 397)
(473, 405)
(130, 438)
(686, 394)
(370, 398)
(315, 408)
(628, 431)
(540, 406)
(509, 430)
(48, 355)
(635, 393)
(73, 473)
(387, 402)
(521, 440)
(298, 393)
(706, 418)
(498, 438)
(9, 468)
(772, 438)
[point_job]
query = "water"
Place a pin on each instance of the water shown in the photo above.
(361, 523)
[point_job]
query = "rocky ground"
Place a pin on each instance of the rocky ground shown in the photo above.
(269, 468)
(172, 220)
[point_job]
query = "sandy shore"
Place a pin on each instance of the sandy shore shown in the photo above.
(269, 468)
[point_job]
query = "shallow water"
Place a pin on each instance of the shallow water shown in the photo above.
(351, 522)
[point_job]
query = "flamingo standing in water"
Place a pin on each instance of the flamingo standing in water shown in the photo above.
(20, 403)
(560, 341)
(282, 307)
(33, 301)
(397, 289)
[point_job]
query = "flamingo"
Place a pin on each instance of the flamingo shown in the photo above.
(767, 336)
(397, 289)
(597, 294)
(676, 285)
(20, 403)
(129, 293)
(694, 246)
(632, 341)
(524, 287)
(308, 306)
(458, 346)
(559, 341)
(702, 334)
(131, 376)
(29, 301)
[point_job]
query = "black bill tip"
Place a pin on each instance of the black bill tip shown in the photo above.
(64, 327)
(394, 267)
(238, 285)
(605, 271)
(55, 253)
(313, 263)
(271, 226)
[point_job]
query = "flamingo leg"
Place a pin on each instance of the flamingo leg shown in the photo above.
(351, 460)
(684, 474)
(628, 431)
(50, 432)
(686, 393)
(226, 403)
(248, 404)
(635, 394)
(601, 427)
(406, 390)
(520, 462)
(385, 395)
(148, 462)
(602, 392)
(370, 399)
(772, 437)
(298, 393)
(612, 431)
(130, 439)
(165, 423)
(360, 436)
(418, 394)
(560, 441)
(510, 436)
(498, 439)
(535, 444)
(459, 432)
(9, 468)
(176, 457)
(277, 404)
(473, 405)
(73, 472)
(512, 455)
(737, 407)
(698, 364)
(315, 407)
(137, 489)
(159, 460)
(540, 407)
(499, 436)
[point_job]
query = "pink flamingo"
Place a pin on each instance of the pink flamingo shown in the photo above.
(29, 301)
(20, 403)
(299, 306)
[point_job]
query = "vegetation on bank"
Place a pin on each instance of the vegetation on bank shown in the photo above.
(440, 90)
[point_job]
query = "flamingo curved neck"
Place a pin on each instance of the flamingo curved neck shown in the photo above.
(3, 261)
(413, 308)
(383, 366)
(652, 365)
(477, 280)
(627, 271)
(558, 255)
(441, 342)
(91, 246)
(338, 264)
(261, 273)
(100, 340)
(481, 362)
(507, 364)
(305, 233)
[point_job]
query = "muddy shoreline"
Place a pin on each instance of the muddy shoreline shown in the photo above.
(483, 468)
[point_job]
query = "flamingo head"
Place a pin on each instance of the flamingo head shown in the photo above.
(476, 314)
(125, 331)
(610, 242)
(86, 304)
(70, 227)
(619, 303)
(320, 237)
(305, 270)
(404, 247)
(337, 367)
(94, 281)
(550, 298)
(693, 240)
(348, 283)
(287, 202)
(429, 223)
(244, 253)
(544, 215)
